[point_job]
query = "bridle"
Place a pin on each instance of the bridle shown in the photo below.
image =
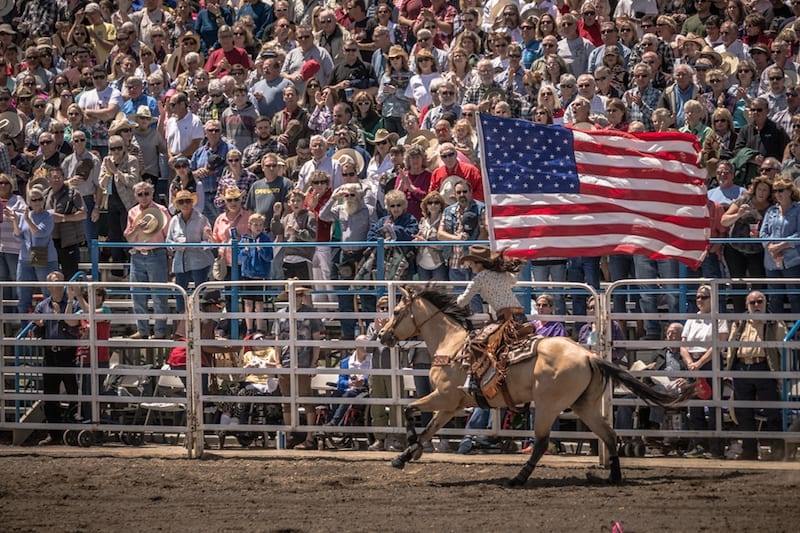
(407, 310)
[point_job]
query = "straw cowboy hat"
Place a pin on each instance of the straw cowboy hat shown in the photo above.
(448, 189)
(695, 39)
(497, 10)
(40, 181)
(709, 53)
(480, 254)
(11, 123)
(232, 193)
(154, 218)
(298, 289)
(730, 63)
(185, 195)
(120, 124)
(142, 112)
(382, 135)
(355, 155)
(397, 51)
(638, 366)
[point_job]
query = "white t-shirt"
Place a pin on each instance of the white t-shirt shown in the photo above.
(100, 100)
(701, 330)
(181, 133)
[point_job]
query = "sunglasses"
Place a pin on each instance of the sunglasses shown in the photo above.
(213, 130)
(186, 201)
(78, 140)
(234, 160)
(181, 165)
(702, 297)
(231, 200)
(350, 195)
(38, 106)
(348, 174)
(116, 148)
(434, 202)
(778, 190)
(448, 155)
(319, 182)
(142, 194)
(37, 199)
(45, 143)
(270, 165)
(757, 301)
(395, 205)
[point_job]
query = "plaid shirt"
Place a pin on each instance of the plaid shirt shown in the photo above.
(643, 113)
(476, 93)
(254, 152)
(227, 181)
(664, 51)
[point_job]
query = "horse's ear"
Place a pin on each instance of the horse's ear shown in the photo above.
(405, 292)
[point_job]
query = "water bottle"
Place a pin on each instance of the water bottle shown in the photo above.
(280, 438)
(234, 236)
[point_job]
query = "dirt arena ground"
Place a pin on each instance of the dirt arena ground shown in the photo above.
(156, 488)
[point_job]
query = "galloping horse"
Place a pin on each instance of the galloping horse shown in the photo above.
(561, 374)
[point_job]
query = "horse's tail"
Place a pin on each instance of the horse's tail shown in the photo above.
(647, 393)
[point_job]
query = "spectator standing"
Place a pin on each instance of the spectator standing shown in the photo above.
(782, 258)
(317, 196)
(207, 164)
(465, 220)
(183, 130)
(61, 301)
(69, 212)
(256, 264)
(354, 217)
(451, 166)
(296, 225)
(699, 357)
(306, 329)
(147, 223)
(100, 105)
(13, 207)
(758, 139)
(187, 226)
(756, 358)
(82, 170)
(273, 188)
(240, 119)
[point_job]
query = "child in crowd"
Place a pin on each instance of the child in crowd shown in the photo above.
(256, 264)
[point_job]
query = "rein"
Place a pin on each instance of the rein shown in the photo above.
(418, 327)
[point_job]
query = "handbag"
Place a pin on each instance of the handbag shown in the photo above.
(219, 269)
(38, 256)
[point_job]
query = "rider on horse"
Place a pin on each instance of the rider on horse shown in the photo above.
(495, 277)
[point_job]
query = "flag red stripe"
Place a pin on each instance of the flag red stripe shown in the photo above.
(499, 211)
(597, 148)
(553, 251)
(531, 232)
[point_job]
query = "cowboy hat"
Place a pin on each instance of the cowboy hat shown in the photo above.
(40, 181)
(118, 125)
(730, 63)
(479, 254)
(11, 123)
(142, 112)
(212, 297)
(695, 39)
(382, 135)
(231, 193)
(497, 10)
(638, 366)
(298, 289)
(190, 35)
(397, 51)
(419, 136)
(708, 53)
(703, 64)
(448, 189)
(183, 194)
(355, 155)
(154, 218)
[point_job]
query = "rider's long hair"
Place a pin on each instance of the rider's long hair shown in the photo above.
(500, 264)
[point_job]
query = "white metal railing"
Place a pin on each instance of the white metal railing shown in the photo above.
(200, 421)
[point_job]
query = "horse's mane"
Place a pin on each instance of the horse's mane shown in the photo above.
(446, 303)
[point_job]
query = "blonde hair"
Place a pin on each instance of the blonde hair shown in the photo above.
(255, 217)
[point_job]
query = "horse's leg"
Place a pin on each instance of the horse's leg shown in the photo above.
(541, 430)
(589, 412)
(443, 412)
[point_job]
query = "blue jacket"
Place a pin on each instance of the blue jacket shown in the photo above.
(256, 262)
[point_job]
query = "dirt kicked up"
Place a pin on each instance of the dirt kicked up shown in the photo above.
(155, 488)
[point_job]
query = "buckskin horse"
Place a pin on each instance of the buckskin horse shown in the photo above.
(559, 375)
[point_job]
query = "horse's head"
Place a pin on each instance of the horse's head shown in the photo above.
(401, 324)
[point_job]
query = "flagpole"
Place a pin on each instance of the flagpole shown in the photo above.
(487, 197)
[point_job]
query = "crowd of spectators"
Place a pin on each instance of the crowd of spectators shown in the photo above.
(307, 122)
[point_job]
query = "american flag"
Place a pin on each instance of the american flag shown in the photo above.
(557, 192)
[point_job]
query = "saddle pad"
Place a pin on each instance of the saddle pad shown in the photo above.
(523, 349)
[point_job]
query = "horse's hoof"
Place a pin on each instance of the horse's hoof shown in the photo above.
(398, 463)
(612, 480)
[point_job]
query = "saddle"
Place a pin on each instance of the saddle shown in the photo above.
(491, 351)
